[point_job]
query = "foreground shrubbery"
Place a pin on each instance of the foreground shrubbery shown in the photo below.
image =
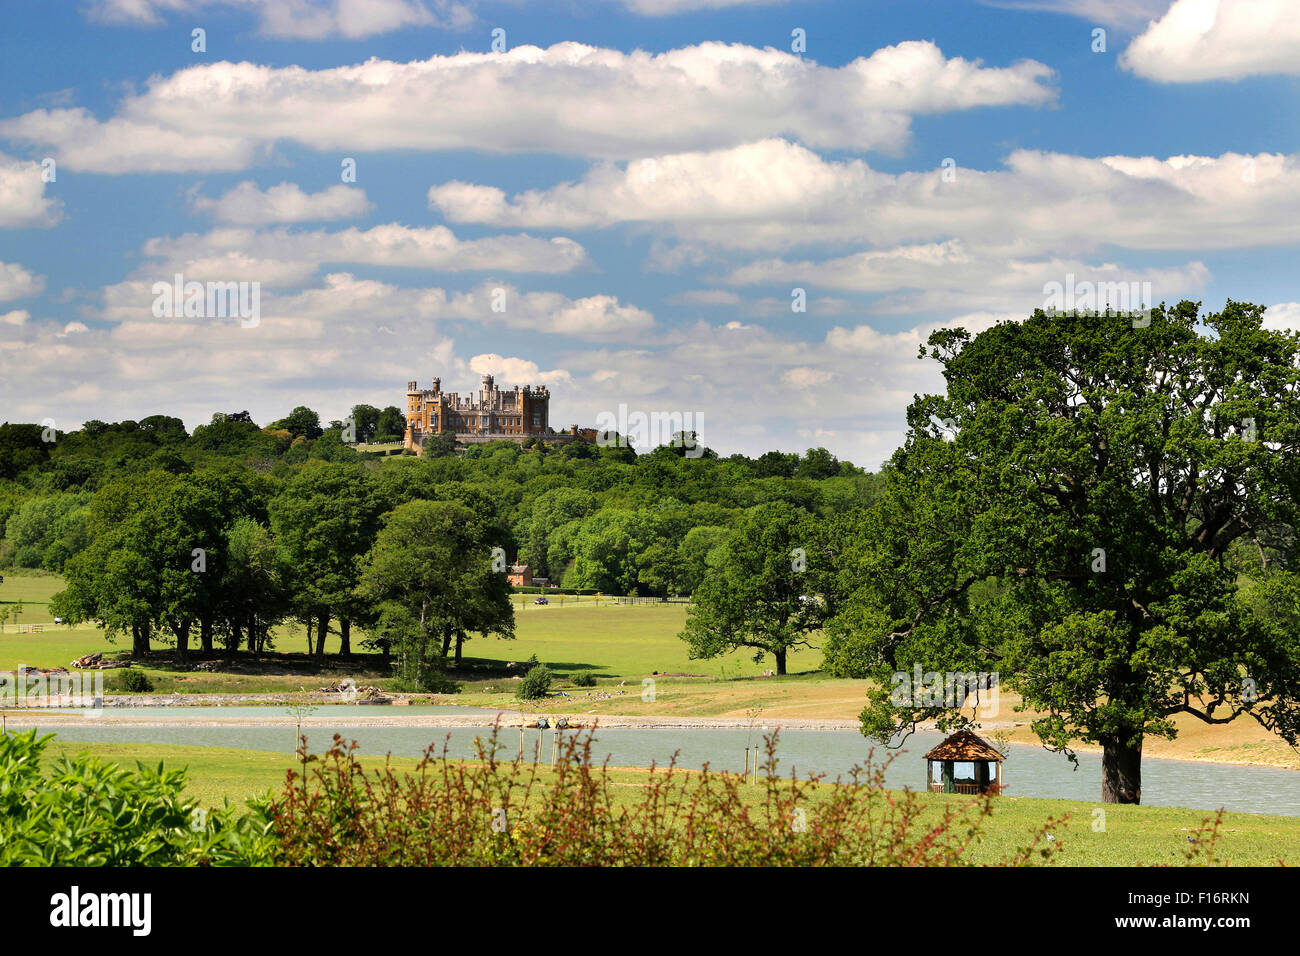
(513, 813)
(83, 812)
(488, 811)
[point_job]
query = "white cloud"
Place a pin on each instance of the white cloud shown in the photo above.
(1283, 317)
(776, 194)
(567, 98)
(1218, 40)
(517, 371)
(22, 195)
(805, 377)
(16, 317)
(246, 205)
(17, 283)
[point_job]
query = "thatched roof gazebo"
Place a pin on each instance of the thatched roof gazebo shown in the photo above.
(964, 763)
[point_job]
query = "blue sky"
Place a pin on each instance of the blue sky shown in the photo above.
(646, 181)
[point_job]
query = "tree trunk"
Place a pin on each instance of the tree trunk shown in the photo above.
(205, 634)
(182, 631)
(311, 623)
(446, 645)
(345, 637)
(1121, 770)
(780, 661)
(460, 640)
(139, 640)
(322, 630)
(236, 638)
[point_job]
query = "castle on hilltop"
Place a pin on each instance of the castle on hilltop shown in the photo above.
(491, 415)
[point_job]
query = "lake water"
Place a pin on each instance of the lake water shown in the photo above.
(1027, 772)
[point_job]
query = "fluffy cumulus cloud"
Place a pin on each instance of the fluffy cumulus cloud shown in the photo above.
(81, 142)
(1283, 317)
(17, 282)
(246, 205)
(517, 371)
(23, 201)
(775, 194)
(1218, 40)
(224, 115)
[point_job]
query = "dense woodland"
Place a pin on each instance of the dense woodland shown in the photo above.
(211, 539)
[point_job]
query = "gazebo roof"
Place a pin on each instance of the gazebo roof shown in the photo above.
(964, 745)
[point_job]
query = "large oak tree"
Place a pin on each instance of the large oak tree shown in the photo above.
(1066, 515)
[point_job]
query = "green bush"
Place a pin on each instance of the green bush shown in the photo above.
(536, 683)
(426, 679)
(584, 680)
(434, 680)
(135, 681)
(83, 812)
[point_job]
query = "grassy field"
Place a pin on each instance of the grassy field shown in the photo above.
(34, 589)
(1131, 835)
